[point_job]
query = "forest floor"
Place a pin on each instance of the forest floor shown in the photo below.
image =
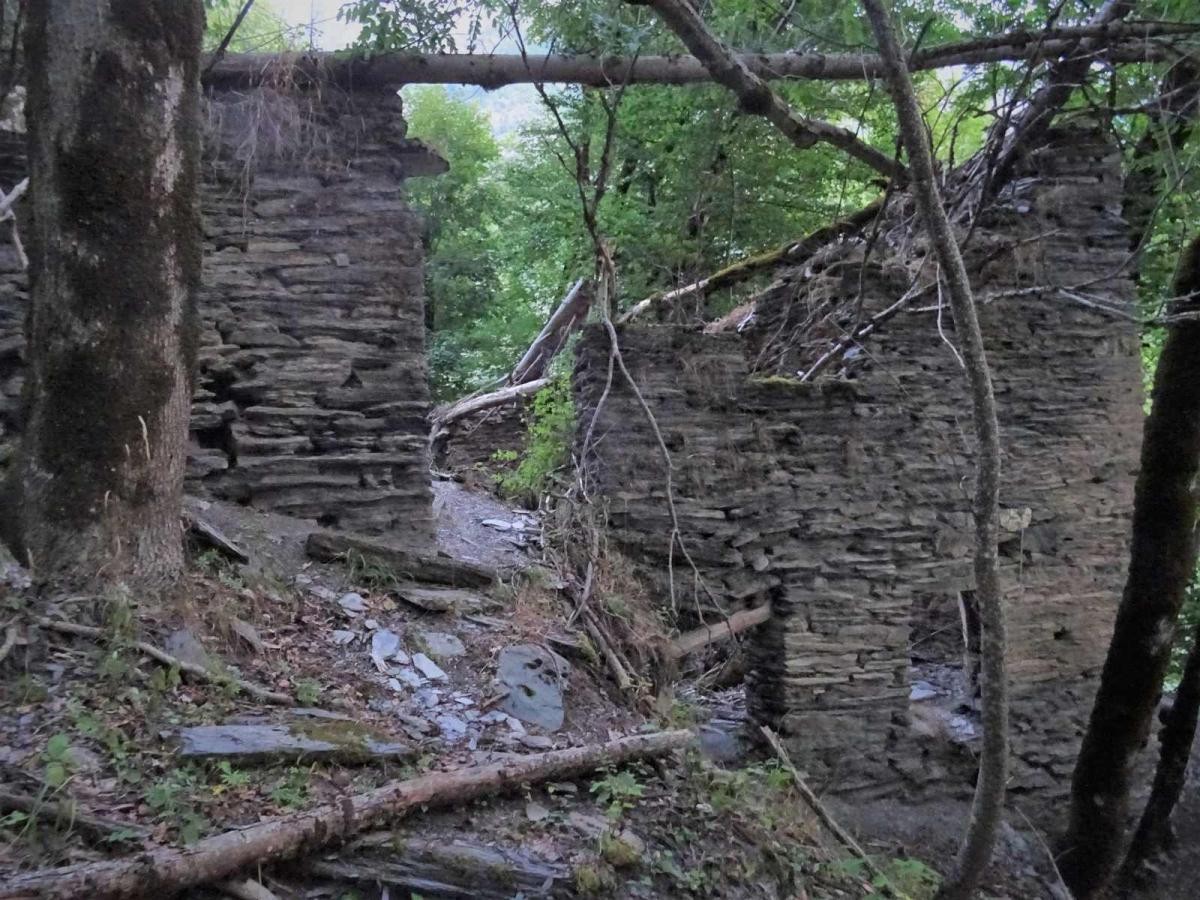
(392, 680)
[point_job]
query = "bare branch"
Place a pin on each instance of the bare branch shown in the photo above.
(756, 96)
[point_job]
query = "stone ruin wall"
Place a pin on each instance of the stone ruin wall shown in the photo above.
(845, 501)
(311, 392)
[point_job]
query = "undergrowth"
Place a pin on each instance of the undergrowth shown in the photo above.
(547, 445)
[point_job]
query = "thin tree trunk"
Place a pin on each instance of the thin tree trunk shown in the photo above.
(1162, 561)
(988, 806)
(114, 265)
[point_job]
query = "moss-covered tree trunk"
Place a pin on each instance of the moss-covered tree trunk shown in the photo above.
(114, 146)
(1162, 560)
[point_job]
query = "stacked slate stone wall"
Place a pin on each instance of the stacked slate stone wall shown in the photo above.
(312, 391)
(845, 500)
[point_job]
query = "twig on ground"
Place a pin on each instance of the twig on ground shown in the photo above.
(814, 803)
(67, 813)
(167, 659)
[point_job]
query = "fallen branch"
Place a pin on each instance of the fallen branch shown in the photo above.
(167, 659)
(67, 814)
(814, 803)
(464, 408)
(791, 254)
(604, 645)
(169, 870)
(1133, 42)
(569, 315)
(691, 641)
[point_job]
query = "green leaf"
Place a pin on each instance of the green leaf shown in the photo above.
(56, 774)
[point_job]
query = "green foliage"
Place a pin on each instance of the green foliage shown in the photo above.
(262, 31)
(415, 24)
(619, 791)
(908, 879)
(308, 691)
(368, 573)
(57, 757)
(174, 798)
(548, 441)
(291, 792)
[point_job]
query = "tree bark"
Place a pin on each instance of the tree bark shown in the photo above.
(988, 805)
(755, 95)
(167, 870)
(1161, 565)
(1143, 42)
(114, 145)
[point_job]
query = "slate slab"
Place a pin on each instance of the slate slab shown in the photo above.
(532, 677)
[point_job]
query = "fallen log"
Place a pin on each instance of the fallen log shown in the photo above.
(569, 315)
(790, 254)
(441, 867)
(330, 546)
(481, 402)
(691, 641)
(168, 870)
(1133, 42)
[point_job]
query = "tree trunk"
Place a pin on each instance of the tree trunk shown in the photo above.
(1175, 417)
(114, 145)
(1162, 561)
(976, 850)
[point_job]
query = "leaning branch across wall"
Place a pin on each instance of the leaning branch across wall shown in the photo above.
(1125, 43)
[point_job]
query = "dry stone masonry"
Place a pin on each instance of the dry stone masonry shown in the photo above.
(312, 391)
(845, 500)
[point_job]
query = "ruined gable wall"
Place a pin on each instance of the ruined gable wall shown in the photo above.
(311, 394)
(849, 510)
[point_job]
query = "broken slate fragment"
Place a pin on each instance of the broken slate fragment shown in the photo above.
(407, 676)
(532, 677)
(338, 741)
(453, 728)
(342, 638)
(384, 644)
(182, 644)
(443, 646)
(428, 667)
(353, 603)
(438, 600)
